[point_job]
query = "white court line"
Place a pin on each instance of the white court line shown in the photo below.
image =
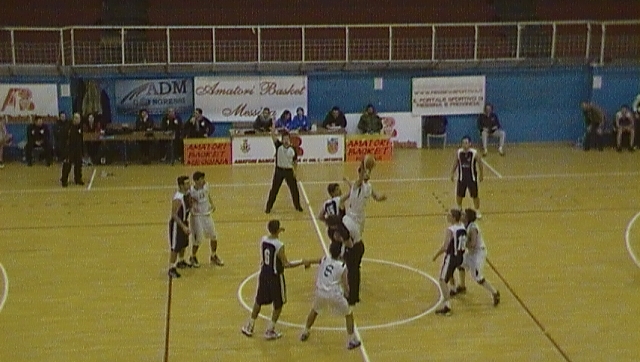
(391, 181)
(93, 176)
(627, 239)
(5, 292)
(363, 350)
(495, 172)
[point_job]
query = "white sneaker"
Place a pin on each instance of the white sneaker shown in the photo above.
(478, 215)
(247, 330)
(484, 152)
(501, 151)
(272, 334)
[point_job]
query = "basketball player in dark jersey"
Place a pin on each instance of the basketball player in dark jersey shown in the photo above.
(453, 248)
(469, 167)
(179, 226)
(271, 285)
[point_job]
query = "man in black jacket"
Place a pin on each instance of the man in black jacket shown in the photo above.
(205, 126)
(334, 119)
(59, 135)
(38, 136)
(173, 122)
(73, 153)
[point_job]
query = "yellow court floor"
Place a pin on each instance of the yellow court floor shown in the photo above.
(84, 268)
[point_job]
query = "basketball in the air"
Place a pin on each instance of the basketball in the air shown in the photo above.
(369, 162)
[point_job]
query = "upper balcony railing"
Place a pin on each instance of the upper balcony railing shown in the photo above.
(392, 44)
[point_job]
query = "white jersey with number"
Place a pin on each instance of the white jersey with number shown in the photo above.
(479, 242)
(329, 276)
(201, 204)
(358, 197)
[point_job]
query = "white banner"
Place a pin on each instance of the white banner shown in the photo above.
(405, 129)
(311, 148)
(21, 100)
(447, 95)
(241, 99)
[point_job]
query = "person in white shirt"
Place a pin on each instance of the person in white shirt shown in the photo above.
(330, 294)
(359, 194)
(201, 221)
(475, 257)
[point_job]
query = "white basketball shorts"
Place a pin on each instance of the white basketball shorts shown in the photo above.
(333, 302)
(474, 263)
(203, 228)
(354, 227)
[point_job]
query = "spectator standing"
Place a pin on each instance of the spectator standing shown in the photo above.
(144, 123)
(594, 122)
(205, 125)
(173, 123)
(59, 134)
(73, 153)
(5, 138)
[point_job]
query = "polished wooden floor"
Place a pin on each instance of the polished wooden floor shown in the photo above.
(86, 267)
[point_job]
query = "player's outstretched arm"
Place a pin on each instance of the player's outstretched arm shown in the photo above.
(285, 262)
(447, 236)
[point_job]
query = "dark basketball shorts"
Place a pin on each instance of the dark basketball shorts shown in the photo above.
(272, 289)
(449, 266)
(178, 240)
(461, 188)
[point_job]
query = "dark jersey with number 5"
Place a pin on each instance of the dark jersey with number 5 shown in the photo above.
(270, 262)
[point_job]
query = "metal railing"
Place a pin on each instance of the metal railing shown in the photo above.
(571, 41)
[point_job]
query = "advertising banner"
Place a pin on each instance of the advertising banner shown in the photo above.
(241, 99)
(207, 151)
(154, 95)
(404, 128)
(448, 95)
(380, 146)
(22, 102)
(311, 148)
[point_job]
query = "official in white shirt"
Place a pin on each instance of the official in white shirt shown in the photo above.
(286, 163)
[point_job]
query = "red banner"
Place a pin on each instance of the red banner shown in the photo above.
(207, 151)
(357, 146)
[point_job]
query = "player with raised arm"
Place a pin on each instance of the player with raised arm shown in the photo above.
(271, 285)
(455, 239)
(360, 192)
(332, 287)
(475, 257)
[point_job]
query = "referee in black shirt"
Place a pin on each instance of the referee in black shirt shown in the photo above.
(286, 161)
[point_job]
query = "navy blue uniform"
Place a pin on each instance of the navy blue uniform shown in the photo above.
(271, 285)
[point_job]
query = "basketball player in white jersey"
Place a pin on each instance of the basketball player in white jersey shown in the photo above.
(201, 222)
(475, 256)
(331, 288)
(455, 239)
(469, 167)
(359, 194)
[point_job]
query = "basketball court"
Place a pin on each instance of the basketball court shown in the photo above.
(84, 268)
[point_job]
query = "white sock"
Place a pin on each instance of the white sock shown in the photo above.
(252, 322)
(271, 326)
(447, 304)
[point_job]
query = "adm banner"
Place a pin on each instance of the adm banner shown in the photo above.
(154, 95)
(21, 101)
(241, 99)
(447, 95)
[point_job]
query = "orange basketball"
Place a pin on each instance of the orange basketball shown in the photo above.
(369, 162)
